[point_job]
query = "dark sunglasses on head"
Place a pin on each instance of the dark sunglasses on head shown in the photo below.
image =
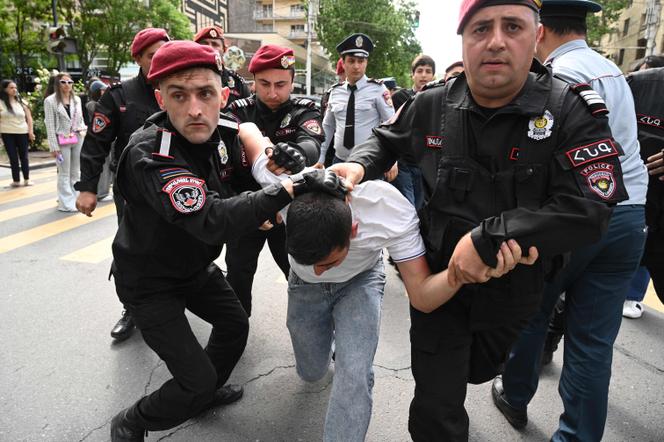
(66, 82)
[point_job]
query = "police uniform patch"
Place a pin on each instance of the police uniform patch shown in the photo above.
(99, 122)
(231, 82)
(599, 178)
(648, 120)
(592, 152)
(223, 152)
(434, 142)
(388, 98)
(313, 126)
(539, 128)
(186, 193)
(286, 121)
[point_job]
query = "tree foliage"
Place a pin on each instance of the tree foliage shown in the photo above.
(604, 22)
(388, 23)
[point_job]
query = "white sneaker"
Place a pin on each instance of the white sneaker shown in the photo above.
(632, 309)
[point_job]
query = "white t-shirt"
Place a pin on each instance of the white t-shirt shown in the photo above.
(385, 220)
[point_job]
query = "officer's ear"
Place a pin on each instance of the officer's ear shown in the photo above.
(225, 92)
(540, 33)
(160, 99)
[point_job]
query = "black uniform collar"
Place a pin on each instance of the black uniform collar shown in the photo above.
(531, 100)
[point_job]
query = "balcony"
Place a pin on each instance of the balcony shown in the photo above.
(270, 15)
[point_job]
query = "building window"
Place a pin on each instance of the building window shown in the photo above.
(641, 51)
(621, 57)
(297, 10)
(297, 31)
(625, 27)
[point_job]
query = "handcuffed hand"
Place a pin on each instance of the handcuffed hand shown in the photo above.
(320, 180)
(288, 156)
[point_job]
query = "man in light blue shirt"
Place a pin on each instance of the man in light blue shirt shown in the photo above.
(357, 105)
(596, 280)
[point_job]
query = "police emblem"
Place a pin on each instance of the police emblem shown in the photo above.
(220, 63)
(599, 177)
(186, 193)
(284, 62)
(313, 126)
(286, 121)
(359, 41)
(223, 152)
(213, 33)
(539, 128)
(99, 122)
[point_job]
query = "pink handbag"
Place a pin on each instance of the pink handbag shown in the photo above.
(64, 140)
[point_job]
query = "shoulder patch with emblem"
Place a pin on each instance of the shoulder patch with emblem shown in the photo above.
(600, 179)
(539, 128)
(186, 193)
(592, 152)
(313, 126)
(593, 100)
(99, 122)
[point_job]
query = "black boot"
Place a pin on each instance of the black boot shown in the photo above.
(124, 327)
(123, 429)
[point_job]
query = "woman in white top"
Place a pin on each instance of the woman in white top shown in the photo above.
(65, 128)
(16, 130)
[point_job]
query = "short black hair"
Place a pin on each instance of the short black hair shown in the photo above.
(456, 64)
(565, 25)
(423, 60)
(317, 224)
(654, 61)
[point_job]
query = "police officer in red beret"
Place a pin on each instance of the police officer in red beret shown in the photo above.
(506, 151)
(176, 176)
(120, 111)
(294, 121)
(213, 36)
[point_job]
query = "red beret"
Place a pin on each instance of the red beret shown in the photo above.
(470, 7)
(340, 67)
(146, 37)
(209, 32)
(179, 55)
(271, 57)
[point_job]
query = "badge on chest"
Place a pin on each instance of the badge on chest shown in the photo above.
(539, 128)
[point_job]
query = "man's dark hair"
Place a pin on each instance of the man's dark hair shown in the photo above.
(565, 25)
(423, 60)
(454, 65)
(317, 224)
(654, 61)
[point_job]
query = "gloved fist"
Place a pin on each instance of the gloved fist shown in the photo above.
(320, 180)
(288, 156)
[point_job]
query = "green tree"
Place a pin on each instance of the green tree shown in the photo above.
(389, 24)
(604, 22)
(166, 14)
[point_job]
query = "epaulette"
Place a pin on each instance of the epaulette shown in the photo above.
(433, 84)
(116, 85)
(304, 102)
(242, 102)
(235, 75)
(333, 86)
(374, 80)
(592, 99)
(228, 121)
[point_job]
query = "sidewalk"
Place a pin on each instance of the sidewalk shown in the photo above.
(37, 159)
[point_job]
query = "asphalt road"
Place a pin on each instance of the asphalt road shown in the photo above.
(62, 378)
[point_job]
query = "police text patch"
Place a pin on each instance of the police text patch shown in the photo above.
(592, 152)
(600, 180)
(99, 122)
(186, 193)
(434, 141)
(649, 120)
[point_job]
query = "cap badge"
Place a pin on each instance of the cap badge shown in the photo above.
(220, 64)
(213, 33)
(539, 128)
(359, 41)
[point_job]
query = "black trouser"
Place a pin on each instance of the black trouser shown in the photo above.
(16, 146)
(242, 259)
(450, 350)
(197, 372)
(653, 259)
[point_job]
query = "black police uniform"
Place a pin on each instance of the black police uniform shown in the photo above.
(296, 121)
(236, 84)
(120, 111)
(180, 208)
(513, 172)
(401, 96)
(648, 88)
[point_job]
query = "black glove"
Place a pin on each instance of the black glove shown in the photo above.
(288, 156)
(320, 180)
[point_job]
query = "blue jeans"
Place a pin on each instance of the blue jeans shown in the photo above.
(409, 183)
(347, 314)
(595, 283)
(639, 285)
